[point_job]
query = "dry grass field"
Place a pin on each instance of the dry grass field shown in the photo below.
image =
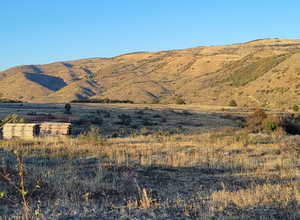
(127, 119)
(156, 162)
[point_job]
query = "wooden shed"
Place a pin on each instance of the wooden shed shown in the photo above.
(55, 129)
(20, 130)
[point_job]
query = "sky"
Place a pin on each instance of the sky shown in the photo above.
(45, 31)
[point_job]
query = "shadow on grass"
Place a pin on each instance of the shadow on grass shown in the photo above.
(50, 82)
(143, 120)
(175, 191)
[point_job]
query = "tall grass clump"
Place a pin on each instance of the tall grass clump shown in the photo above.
(15, 188)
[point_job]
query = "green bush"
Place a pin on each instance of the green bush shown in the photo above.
(295, 108)
(179, 100)
(232, 103)
(270, 126)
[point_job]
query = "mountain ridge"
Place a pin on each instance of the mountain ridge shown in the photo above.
(264, 70)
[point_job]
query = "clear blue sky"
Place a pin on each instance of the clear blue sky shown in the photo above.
(43, 31)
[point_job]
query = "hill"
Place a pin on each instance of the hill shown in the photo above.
(258, 73)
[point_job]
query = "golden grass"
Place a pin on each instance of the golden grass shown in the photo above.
(199, 175)
(259, 195)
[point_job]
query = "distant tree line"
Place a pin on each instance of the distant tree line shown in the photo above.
(106, 100)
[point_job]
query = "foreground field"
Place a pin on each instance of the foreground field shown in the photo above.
(225, 174)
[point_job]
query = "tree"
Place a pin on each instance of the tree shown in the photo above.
(67, 108)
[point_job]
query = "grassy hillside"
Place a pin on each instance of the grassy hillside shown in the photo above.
(257, 73)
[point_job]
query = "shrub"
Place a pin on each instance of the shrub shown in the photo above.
(106, 100)
(155, 101)
(260, 114)
(295, 108)
(270, 125)
(67, 108)
(4, 100)
(255, 121)
(179, 100)
(290, 124)
(260, 121)
(232, 103)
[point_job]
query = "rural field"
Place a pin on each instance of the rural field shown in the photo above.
(149, 110)
(136, 161)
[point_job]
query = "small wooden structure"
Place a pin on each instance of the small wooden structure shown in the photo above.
(55, 129)
(20, 130)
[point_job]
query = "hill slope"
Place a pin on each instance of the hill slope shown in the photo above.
(257, 73)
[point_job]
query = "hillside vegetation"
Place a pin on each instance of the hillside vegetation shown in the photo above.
(258, 73)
